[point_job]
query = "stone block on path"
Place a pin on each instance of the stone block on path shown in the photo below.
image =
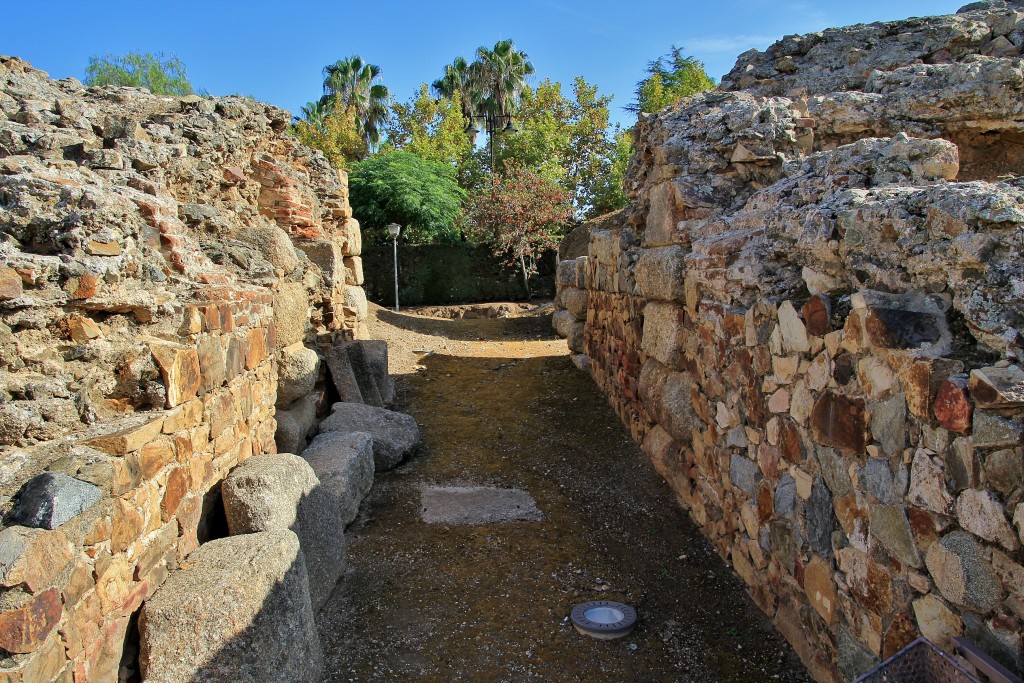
(295, 423)
(271, 492)
(359, 370)
(343, 462)
(238, 610)
(394, 434)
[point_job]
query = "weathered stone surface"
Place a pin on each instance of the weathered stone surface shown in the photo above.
(26, 621)
(239, 610)
(344, 464)
(395, 435)
(952, 407)
(819, 518)
(744, 474)
(663, 332)
(890, 526)
(839, 421)
(32, 557)
(376, 353)
(660, 274)
(961, 573)
(179, 367)
(817, 315)
(821, 589)
(1004, 470)
(50, 499)
(130, 437)
(785, 496)
(928, 484)
(291, 313)
(575, 302)
(794, 334)
(273, 244)
(998, 387)
(888, 423)
(355, 299)
(981, 513)
(295, 423)
(297, 372)
(359, 372)
(936, 621)
(993, 431)
(667, 395)
(280, 491)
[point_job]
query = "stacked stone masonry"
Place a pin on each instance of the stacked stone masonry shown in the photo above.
(810, 316)
(162, 257)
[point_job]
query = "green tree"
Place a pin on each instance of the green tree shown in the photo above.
(503, 71)
(162, 75)
(609, 193)
(334, 130)
(564, 139)
(434, 129)
(670, 78)
(400, 187)
(353, 82)
(519, 214)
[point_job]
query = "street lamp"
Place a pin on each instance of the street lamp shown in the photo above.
(393, 230)
(492, 123)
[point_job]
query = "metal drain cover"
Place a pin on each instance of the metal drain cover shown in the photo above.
(603, 619)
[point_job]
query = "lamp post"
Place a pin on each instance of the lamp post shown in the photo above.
(393, 230)
(492, 123)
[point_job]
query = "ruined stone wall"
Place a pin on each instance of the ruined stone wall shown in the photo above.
(810, 315)
(162, 258)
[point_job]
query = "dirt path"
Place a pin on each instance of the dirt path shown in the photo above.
(501, 405)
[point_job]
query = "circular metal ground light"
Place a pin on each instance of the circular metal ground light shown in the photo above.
(603, 619)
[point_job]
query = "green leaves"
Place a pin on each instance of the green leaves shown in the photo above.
(162, 75)
(671, 78)
(400, 187)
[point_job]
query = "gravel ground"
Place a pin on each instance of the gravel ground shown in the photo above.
(501, 405)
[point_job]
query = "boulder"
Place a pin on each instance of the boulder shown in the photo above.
(272, 243)
(394, 434)
(271, 492)
(237, 610)
(343, 462)
(295, 423)
(296, 373)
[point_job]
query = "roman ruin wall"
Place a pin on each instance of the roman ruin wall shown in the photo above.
(164, 261)
(810, 316)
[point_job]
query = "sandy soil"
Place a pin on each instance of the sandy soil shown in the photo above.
(500, 405)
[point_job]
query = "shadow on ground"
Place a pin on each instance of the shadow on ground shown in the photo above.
(491, 602)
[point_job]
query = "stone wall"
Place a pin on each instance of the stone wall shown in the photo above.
(162, 258)
(810, 316)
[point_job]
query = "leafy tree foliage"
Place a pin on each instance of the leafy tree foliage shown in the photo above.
(334, 130)
(564, 139)
(671, 77)
(609, 194)
(401, 187)
(162, 75)
(501, 76)
(520, 214)
(354, 83)
(434, 129)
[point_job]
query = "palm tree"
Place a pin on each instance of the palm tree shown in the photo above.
(463, 78)
(315, 114)
(503, 74)
(353, 82)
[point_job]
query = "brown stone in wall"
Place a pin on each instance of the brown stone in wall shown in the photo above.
(952, 407)
(179, 367)
(24, 628)
(840, 421)
(817, 313)
(10, 284)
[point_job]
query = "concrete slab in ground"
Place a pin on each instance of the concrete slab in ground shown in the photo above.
(476, 505)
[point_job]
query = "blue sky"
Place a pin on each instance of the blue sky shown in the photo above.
(275, 51)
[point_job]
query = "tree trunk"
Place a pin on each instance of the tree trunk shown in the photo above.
(526, 281)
